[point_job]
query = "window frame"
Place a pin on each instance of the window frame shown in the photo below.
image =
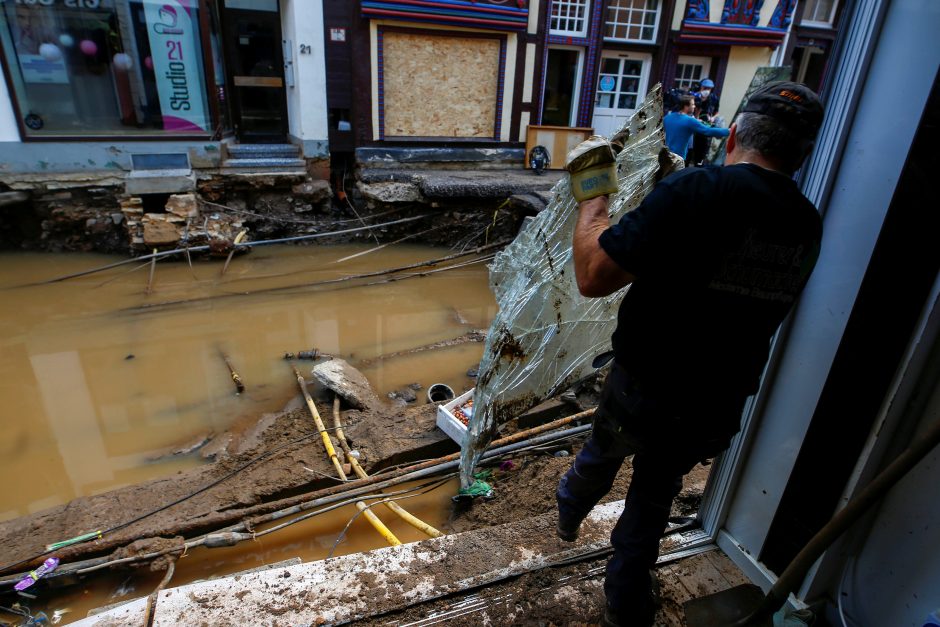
(585, 19)
(611, 6)
(819, 23)
(706, 68)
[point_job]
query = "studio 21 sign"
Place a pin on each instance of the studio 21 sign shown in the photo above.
(174, 35)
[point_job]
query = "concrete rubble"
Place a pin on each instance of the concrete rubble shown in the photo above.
(347, 382)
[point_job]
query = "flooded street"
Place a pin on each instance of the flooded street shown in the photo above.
(99, 379)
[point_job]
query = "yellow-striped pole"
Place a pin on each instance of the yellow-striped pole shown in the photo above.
(327, 443)
(402, 513)
(378, 524)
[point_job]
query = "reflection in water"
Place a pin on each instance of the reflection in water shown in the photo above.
(92, 386)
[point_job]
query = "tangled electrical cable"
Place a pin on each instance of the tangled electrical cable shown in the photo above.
(182, 499)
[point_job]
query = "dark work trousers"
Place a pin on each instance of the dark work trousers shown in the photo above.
(664, 447)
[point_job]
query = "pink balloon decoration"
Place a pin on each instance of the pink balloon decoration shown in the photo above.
(88, 47)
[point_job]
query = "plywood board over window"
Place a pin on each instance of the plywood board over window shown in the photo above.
(440, 85)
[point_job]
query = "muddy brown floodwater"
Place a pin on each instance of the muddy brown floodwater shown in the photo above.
(95, 390)
(104, 385)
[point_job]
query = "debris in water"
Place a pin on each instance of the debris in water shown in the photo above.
(311, 355)
(464, 412)
(58, 614)
(126, 587)
(129, 357)
(237, 380)
(477, 488)
(34, 575)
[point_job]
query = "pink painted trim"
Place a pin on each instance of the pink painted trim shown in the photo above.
(173, 123)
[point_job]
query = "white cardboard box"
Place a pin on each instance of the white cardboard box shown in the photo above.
(446, 420)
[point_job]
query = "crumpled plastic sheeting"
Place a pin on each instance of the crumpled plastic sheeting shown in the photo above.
(546, 334)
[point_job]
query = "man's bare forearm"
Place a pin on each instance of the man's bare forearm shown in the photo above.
(595, 272)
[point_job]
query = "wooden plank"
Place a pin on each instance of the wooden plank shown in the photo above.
(700, 577)
(731, 573)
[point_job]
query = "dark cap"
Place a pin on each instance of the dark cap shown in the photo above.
(794, 104)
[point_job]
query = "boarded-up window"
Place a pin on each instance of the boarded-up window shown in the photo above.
(439, 86)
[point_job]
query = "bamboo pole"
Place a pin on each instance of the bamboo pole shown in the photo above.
(400, 511)
(327, 443)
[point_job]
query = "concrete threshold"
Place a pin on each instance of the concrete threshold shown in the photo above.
(357, 586)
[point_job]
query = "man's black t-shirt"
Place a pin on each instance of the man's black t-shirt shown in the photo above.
(719, 255)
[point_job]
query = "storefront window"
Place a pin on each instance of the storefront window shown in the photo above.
(106, 67)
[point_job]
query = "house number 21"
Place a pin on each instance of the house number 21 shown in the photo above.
(305, 49)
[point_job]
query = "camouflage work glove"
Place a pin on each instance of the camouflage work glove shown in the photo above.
(593, 168)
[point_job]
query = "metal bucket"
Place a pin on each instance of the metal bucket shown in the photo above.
(440, 393)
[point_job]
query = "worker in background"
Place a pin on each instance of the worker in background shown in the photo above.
(706, 100)
(715, 257)
(681, 125)
(706, 110)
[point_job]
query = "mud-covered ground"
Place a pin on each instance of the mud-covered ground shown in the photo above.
(264, 466)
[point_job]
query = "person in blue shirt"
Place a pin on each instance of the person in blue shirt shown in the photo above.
(680, 126)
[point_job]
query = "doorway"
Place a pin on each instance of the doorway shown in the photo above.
(255, 70)
(562, 84)
(621, 88)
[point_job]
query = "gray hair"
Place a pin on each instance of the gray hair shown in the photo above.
(772, 139)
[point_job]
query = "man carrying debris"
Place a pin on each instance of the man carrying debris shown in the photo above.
(715, 258)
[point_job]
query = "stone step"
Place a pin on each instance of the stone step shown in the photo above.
(255, 163)
(260, 174)
(259, 151)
